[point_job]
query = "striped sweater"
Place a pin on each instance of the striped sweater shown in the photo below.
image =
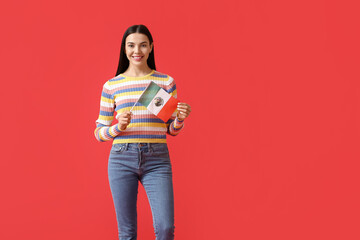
(119, 94)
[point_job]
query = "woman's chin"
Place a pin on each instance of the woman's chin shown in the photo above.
(138, 63)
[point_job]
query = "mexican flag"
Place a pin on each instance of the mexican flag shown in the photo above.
(158, 101)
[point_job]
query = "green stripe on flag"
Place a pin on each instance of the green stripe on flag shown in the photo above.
(149, 94)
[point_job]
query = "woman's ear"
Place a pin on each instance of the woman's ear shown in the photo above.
(151, 46)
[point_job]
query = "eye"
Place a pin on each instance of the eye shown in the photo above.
(131, 45)
(144, 45)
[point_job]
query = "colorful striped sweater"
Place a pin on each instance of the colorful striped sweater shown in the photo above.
(119, 94)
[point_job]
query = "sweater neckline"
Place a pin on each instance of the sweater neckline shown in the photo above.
(152, 71)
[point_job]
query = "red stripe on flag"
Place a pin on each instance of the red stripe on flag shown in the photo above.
(168, 109)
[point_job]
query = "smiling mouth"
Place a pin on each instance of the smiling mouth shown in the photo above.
(137, 57)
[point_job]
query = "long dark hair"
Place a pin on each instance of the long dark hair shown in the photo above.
(123, 60)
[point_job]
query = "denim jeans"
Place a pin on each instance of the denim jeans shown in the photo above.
(150, 164)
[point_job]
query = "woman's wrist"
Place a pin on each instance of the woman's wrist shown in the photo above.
(178, 118)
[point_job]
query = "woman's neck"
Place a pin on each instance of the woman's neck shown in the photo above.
(137, 71)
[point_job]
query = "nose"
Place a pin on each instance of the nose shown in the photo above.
(137, 49)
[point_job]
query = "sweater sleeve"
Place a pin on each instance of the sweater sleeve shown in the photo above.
(174, 125)
(104, 131)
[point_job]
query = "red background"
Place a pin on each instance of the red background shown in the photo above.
(270, 151)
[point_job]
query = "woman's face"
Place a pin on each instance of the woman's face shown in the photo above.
(137, 48)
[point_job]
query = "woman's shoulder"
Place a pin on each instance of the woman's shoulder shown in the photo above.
(114, 81)
(109, 84)
(161, 75)
(116, 78)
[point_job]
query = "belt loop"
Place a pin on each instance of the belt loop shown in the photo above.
(126, 146)
(149, 147)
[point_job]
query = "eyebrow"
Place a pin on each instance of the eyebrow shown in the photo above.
(140, 43)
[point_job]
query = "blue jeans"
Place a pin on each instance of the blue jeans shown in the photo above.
(150, 164)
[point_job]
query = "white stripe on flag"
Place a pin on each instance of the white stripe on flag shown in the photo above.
(162, 94)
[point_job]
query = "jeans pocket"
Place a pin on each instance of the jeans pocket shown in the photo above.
(161, 151)
(117, 148)
(160, 147)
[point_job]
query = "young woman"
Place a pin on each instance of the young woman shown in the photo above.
(139, 151)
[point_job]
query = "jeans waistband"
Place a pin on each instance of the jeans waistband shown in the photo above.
(141, 146)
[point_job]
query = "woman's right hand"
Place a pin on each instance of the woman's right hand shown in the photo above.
(124, 120)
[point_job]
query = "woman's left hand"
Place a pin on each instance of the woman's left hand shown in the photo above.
(184, 110)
